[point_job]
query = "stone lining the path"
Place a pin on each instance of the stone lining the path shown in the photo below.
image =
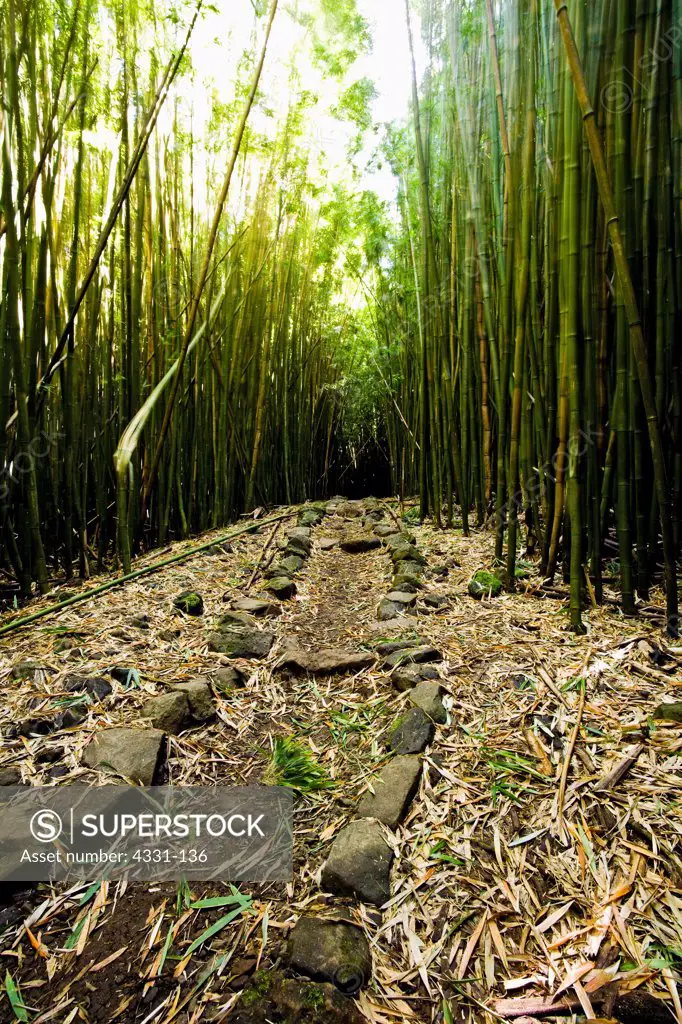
(280, 582)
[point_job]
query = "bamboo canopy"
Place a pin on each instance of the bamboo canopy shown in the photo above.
(197, 318)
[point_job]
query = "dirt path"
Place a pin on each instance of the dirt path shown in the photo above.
(486, 884)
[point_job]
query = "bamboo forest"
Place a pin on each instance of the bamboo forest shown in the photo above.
(341, 477)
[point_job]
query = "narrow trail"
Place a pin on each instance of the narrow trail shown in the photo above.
(466, 874)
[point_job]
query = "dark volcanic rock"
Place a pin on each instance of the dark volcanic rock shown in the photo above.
(401, 597)
(236, 618)
(358, 545)
(282, 587)
(228, 678)
(427, 696)
(125, 675)
(406, 676)
(386, 530)
(399, 540)
(310, 517)
(94, 685)
(270, 997)
(413, 733)
(386, 647)
(168, 712)
(67, 719)
(290, 565)
(404, 552)
(241, 641)
(359, 864)
(200, 698)
(301, 533)
(409, 568)
(394, 791)
(413, 656)
(10, 777)
(331, 951)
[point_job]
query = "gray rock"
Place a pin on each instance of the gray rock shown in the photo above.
(406, 582)
(94, 685)
(413, 733)
(327, 543)
(299, 548)
(406, 676)
(228, 678)
(436, 601)
(325, 661)
(386, 530)
(269, 996)
(310, 517)
(407, 567)
(401, 597)
(413, 656)
(140, 622)
(261, 609)
(669, 712)
(394, 791)
(331, 951)
(201, 704)
(358, 545)
(10, 777)
(359, 864)
(282, 587)
(169, 712)
(236, 618)
(427, 697)
(189, 602)
(405, 552)
(136, 754)
(241, 642)
(399, 540)
(302, 533)
(349, 509)
(386, 647)
(387, 610)
(290, 565)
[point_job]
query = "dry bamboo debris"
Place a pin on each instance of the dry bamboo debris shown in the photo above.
(480, 881)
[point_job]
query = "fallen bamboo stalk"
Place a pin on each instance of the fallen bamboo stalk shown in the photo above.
(567, 762)
(137, 573)
(618, 773)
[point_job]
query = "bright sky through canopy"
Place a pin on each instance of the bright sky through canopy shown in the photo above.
(224, 34)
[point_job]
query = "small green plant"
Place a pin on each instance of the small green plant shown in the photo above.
(411, 515)
(441, 853)
(485, 584)
(509, 766)
(293, 765)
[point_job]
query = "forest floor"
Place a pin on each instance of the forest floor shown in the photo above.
(497, 891)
